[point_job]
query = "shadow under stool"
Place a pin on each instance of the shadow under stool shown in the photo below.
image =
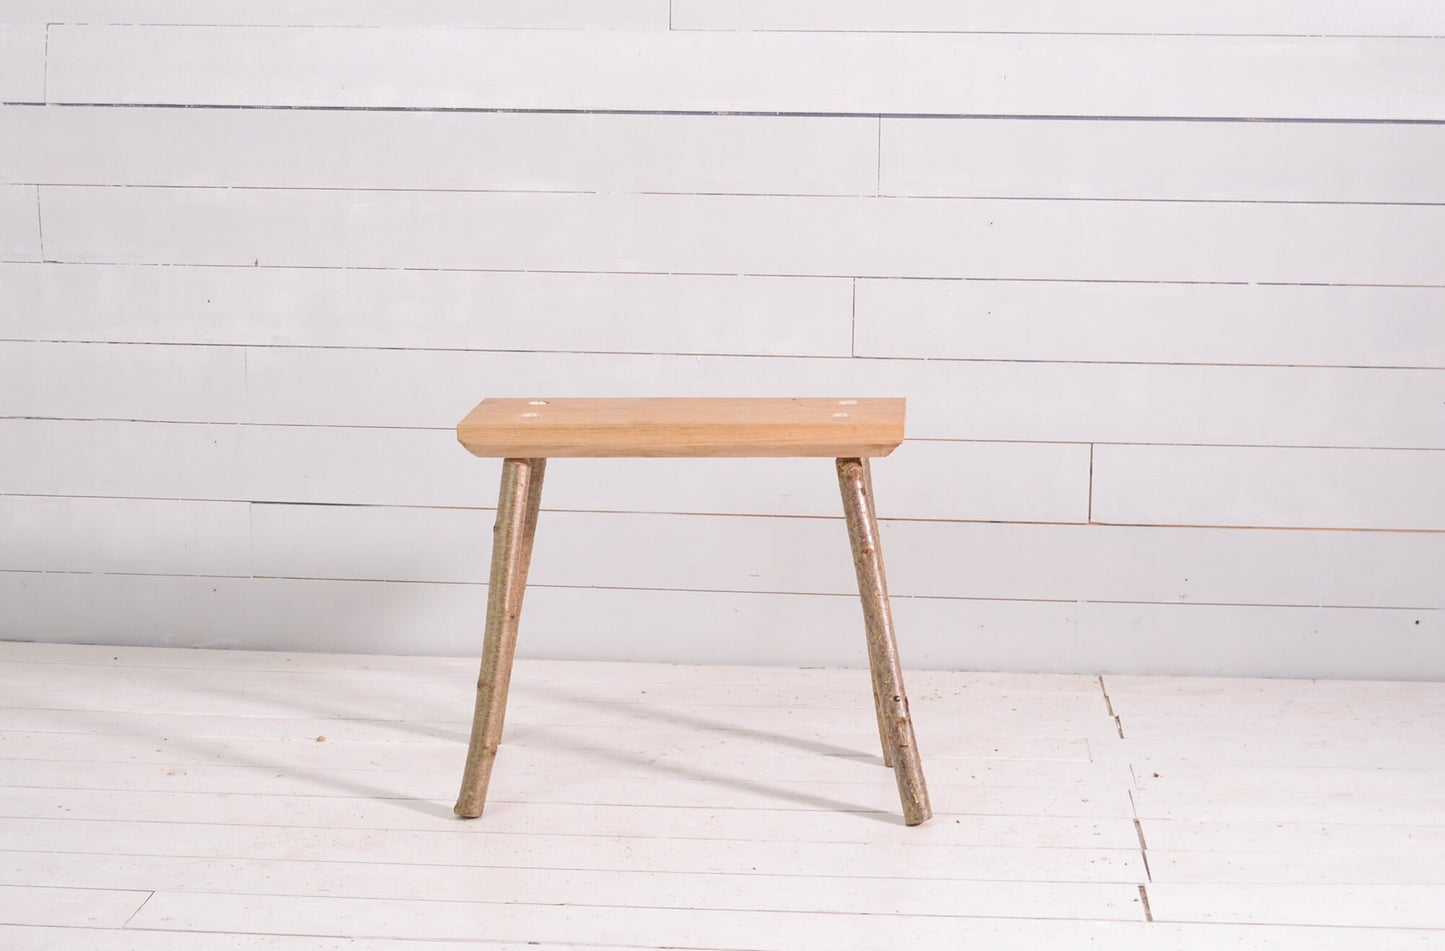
(526, 432)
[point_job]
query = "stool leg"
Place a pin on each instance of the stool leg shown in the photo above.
(879, 708)
(512, 535)
(890, 699)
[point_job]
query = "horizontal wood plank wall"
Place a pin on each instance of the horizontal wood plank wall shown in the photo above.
(1051, 74)
(1162, 284)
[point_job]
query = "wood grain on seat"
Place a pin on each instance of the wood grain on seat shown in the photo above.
(542, 427)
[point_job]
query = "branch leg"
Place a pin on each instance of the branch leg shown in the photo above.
(512, 535)
(890, 699)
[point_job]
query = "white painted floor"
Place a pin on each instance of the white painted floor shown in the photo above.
(182, 799)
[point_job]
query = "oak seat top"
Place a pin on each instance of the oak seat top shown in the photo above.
(692, 426)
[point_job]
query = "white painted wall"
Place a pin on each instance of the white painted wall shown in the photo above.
(1164, 286)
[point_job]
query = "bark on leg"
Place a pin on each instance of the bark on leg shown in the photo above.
(512, 536)
(891, 702)
(882, 723)
(879, 708)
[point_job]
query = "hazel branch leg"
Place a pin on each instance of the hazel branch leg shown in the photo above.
(884, 739)
(512, 537)
(890, 699)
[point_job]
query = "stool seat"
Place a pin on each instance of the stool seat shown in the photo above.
(546, 428)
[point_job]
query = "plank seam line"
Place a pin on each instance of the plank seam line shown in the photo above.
(251, 424)
(830, 31)
(1139, 831)
(137, 911)
(39, 225)
(563, 868)
(829, 837)
(1109, 704)
(766, 114)
(609, 195)
(414, 900)
(60, 888)
(1278, 528)
(992, 279)
(710, 354)
(837, 31)
(853, 319)
(736, 591)
(45, 65)
(878, 162)
(581, 26)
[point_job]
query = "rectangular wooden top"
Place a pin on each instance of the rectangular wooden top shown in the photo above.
(542, 428)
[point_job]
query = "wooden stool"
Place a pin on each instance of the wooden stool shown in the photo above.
(526, 432)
